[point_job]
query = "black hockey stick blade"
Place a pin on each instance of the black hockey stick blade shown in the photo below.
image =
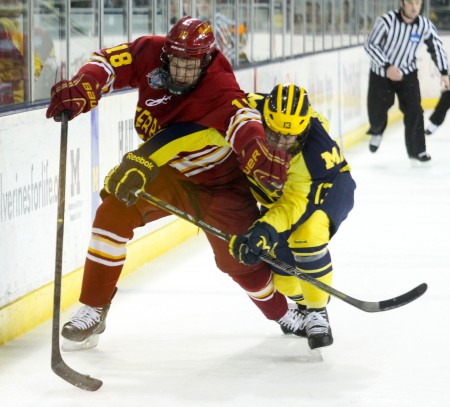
(367, 306)
(57, 363)
(73, 377)
(402, 299)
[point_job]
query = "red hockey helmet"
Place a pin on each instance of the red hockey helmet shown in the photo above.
(190, 38)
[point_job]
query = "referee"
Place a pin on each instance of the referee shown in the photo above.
(392, 46)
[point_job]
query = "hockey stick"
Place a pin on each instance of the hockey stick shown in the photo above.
(58, 365)
(367, 306)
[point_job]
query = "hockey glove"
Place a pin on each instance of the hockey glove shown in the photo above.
(240, 249)
(266, 165)
(260, 239)
(134, 172)
(78, 95)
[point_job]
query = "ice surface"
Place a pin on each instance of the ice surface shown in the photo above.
(180, 333)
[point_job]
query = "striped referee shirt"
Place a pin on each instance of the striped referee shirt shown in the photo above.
(393, 42)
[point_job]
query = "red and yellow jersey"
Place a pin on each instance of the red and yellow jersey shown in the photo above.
(217, 103)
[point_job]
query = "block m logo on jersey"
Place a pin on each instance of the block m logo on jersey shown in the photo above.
(75, 187)
(333, 158)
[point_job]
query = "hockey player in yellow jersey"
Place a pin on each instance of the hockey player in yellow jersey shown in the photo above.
(297, 225)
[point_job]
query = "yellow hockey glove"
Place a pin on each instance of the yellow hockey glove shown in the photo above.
(134, 172)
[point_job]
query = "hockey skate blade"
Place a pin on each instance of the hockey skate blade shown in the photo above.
(71, 346)
(300, 350)
(293, 348)
(311, 356)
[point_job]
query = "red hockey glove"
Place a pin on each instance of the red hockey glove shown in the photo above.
(134, 172)
(78, 95)
(260, 239)
(266, 165)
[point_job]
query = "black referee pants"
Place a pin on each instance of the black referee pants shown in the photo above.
(440, 111)
(380, 99)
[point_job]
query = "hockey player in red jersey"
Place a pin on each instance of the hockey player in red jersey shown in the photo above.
(198, 167)
(296, 227)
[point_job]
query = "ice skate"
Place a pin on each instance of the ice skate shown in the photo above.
(82, 330)
(293, 321)
(317, 328)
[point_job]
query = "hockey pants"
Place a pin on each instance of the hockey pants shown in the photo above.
(229, 207)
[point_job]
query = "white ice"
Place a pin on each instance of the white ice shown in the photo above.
(180, 333)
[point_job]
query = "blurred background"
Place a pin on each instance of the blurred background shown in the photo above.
(42, 41)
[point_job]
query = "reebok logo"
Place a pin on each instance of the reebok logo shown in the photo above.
(140, 160)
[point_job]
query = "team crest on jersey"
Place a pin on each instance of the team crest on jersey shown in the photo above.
(414, 38)
(157, 78)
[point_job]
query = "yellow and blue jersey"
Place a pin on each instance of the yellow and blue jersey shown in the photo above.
(313, 172)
